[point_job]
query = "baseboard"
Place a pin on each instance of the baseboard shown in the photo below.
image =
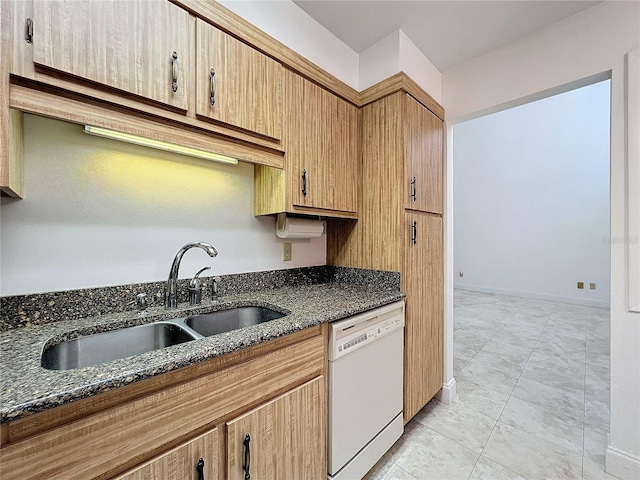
(536, 296)
(622, 465)
(448, 392)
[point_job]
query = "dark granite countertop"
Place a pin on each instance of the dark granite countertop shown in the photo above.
(28, 388)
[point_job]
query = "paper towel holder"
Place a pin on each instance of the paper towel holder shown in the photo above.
(298, 227)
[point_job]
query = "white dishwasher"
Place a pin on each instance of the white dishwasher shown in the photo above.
(365, 390)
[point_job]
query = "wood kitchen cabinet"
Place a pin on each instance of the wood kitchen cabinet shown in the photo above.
(237, 84)
(11, 138)
(160, 427)
(423, 137)
(183, 462)
(111, 64)
(138, 47)
(402, 139)
(423, 283)
(12, 155)
(281, 438)
(321, 143)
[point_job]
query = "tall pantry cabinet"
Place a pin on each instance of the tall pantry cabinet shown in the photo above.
(400, 228)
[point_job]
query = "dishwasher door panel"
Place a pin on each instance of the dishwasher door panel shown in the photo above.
(365, 394)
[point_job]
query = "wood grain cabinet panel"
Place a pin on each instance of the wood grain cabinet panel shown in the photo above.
(423, 279)
(286, 437)
(12, 154)
(423, 138)
(237, 84)
(322, 150)
(128, 46)
(321, 147)
(182, 463)
(402, 139)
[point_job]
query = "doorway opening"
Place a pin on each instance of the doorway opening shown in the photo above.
(531, 259)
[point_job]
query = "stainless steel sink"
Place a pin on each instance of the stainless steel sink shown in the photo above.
(125, 342)
(233, 319)
(107, 346)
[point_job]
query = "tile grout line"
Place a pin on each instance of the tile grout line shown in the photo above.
(501, 411)
(496, 422)
(509, 398)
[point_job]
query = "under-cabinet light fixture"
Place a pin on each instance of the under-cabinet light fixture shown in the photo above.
(158, 144)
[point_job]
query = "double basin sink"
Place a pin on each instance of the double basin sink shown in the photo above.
(115, 344)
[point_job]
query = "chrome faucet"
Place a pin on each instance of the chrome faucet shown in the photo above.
(171, 290)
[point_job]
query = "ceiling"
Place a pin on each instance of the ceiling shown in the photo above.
(448, 33)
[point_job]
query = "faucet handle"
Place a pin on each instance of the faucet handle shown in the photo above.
(195, 288)
(140, 301)
(195, 280)
(214, 287)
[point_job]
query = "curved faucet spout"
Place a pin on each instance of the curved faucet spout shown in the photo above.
(171, 289)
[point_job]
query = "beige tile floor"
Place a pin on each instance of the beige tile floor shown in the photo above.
(533, 397)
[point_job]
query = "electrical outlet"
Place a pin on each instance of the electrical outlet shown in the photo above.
(592, 286)
(286, 252)
(580, 285)
(461, 274)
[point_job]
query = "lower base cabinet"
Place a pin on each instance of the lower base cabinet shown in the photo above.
(197, 459)
(161, 428)
(280, 439)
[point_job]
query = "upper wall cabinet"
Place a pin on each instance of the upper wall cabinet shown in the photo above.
(321, 146)
(423, 139)
(138, 47)
(321, 164)
(131, 66)
(237, 84)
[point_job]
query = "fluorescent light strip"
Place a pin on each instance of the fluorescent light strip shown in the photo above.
(158, 144)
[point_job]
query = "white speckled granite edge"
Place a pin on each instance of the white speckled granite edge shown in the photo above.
(28, 388)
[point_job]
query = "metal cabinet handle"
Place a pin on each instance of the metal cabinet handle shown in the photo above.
(200, 469)
(413, 189)
(414, 232)
(174, 65)
(304, 183)
(212, 88)
(246, 463)
(28, 30)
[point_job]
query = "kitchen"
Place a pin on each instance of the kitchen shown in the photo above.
(260, 252)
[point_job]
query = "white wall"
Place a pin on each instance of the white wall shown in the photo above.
(99, 212)
(419, 68)
(584, 45)
(380, 61)
(397, 53)
(292, 26)
(531, 199)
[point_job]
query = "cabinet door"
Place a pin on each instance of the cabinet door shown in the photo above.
(183, 462)
(128, 46)
(423, 139)
(237, 84)
(424, 314)
(286, 437)
(321, 147)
